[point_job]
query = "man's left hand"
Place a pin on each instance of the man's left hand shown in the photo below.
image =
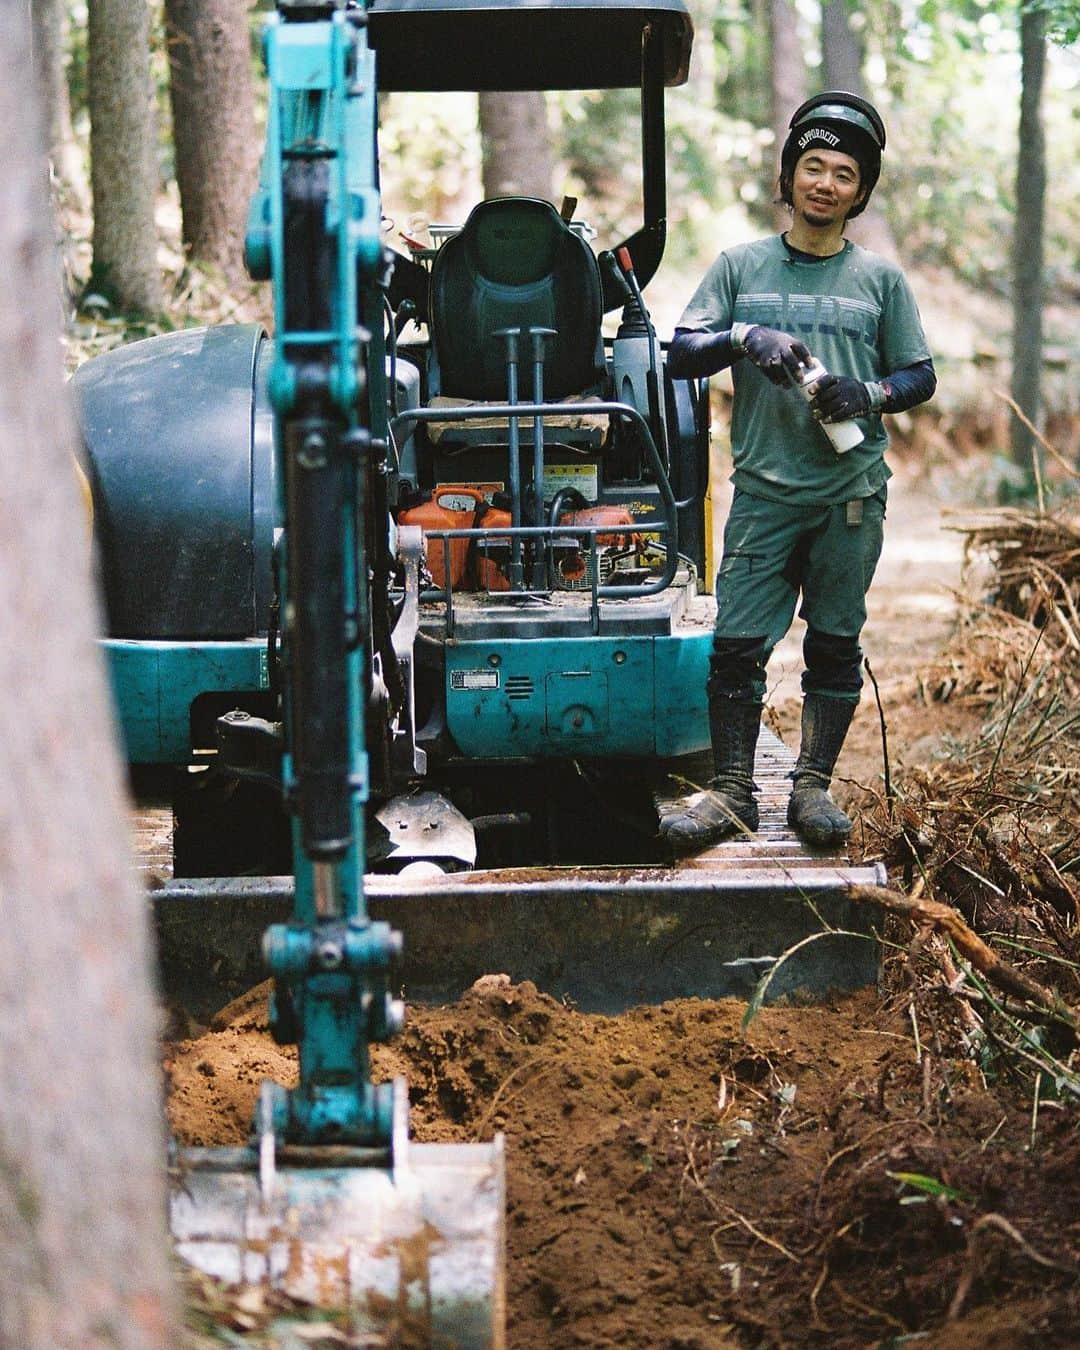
(838, 397)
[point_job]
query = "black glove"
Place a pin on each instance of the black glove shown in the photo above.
(777, 355)
(838, 397)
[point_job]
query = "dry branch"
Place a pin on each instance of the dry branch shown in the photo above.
(1027, 422)
(1001, 1225)
(930, 914)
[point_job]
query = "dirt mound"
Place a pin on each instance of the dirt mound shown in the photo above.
(674, 1181)
(886, 1167)
(213, 1080)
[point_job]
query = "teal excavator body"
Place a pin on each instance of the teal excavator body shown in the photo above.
(538, 620)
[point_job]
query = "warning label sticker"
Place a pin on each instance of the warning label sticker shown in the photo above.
(486, 490)
(580, 476)
(474, 679)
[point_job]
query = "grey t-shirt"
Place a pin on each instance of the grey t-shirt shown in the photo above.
(856, 313)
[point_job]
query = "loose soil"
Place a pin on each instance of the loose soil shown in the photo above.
(825, 1176)
(676, 1180)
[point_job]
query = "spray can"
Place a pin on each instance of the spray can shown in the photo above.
(845, 435)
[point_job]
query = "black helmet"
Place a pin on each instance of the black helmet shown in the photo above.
(840, 121)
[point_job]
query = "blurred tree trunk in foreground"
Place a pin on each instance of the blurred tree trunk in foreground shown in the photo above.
(123, 155)
(213, 113)
(49, 28)
(516, 145)
(83, 1248)
(1028, 236)
(787, 80)
(842, 53)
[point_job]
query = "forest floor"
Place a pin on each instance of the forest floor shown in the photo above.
(879, 1169)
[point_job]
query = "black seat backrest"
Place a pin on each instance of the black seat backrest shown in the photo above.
(515, 264)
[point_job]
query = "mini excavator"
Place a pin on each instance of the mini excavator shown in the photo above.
(408, 605)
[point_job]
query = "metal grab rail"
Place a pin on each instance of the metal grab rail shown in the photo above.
(591, 408)
(589, 532)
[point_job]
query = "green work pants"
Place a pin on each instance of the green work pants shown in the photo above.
(773, 553)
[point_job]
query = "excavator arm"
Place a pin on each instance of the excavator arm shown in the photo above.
(331, 1200)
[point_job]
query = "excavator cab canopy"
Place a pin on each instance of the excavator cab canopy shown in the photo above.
(478, 45)
(441, 45)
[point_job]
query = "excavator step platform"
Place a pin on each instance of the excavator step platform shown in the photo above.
(605, 938)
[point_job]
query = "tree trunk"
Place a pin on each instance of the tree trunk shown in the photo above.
(1028, 239)
(701, 81)
(123, 173)
(48, 31)
(47, 18)
(787, 79)
(841, 48)
(842, 56)
(213, 112)
(515, 145)
(83, 1250)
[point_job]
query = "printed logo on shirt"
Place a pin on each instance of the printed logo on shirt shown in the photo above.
(858, 320)
(764, 307)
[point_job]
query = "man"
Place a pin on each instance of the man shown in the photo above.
(805, 519)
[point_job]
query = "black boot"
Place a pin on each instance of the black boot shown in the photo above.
(812, 813)
(728, 807)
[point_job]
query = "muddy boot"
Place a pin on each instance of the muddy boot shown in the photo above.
(812, 813)
(728, 807)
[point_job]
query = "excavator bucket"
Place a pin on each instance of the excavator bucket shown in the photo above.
(414, 1246)
(710, 926)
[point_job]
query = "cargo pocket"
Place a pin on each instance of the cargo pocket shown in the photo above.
(734, 591)
(872, 536)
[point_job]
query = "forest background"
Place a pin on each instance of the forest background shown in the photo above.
(979, 198)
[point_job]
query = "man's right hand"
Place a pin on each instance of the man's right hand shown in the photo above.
(777, 355)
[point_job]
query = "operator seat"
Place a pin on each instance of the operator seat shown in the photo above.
(515, 263)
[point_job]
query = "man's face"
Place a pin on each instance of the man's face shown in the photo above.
(826, 185)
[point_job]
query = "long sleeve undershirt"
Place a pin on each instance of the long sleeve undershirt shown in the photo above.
(694, 355)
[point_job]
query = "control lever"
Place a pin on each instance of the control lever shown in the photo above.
(614, 271)
(538, 337)
(406, 311)
(510, 336)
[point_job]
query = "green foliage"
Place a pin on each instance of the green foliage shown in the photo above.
(944, 72)
(741, 56)
(429, 146)
(78, 61)
(1062, 19)
(713, 160)
(948, 185)
(946, 75)
(598, 142)
(927, 1188)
